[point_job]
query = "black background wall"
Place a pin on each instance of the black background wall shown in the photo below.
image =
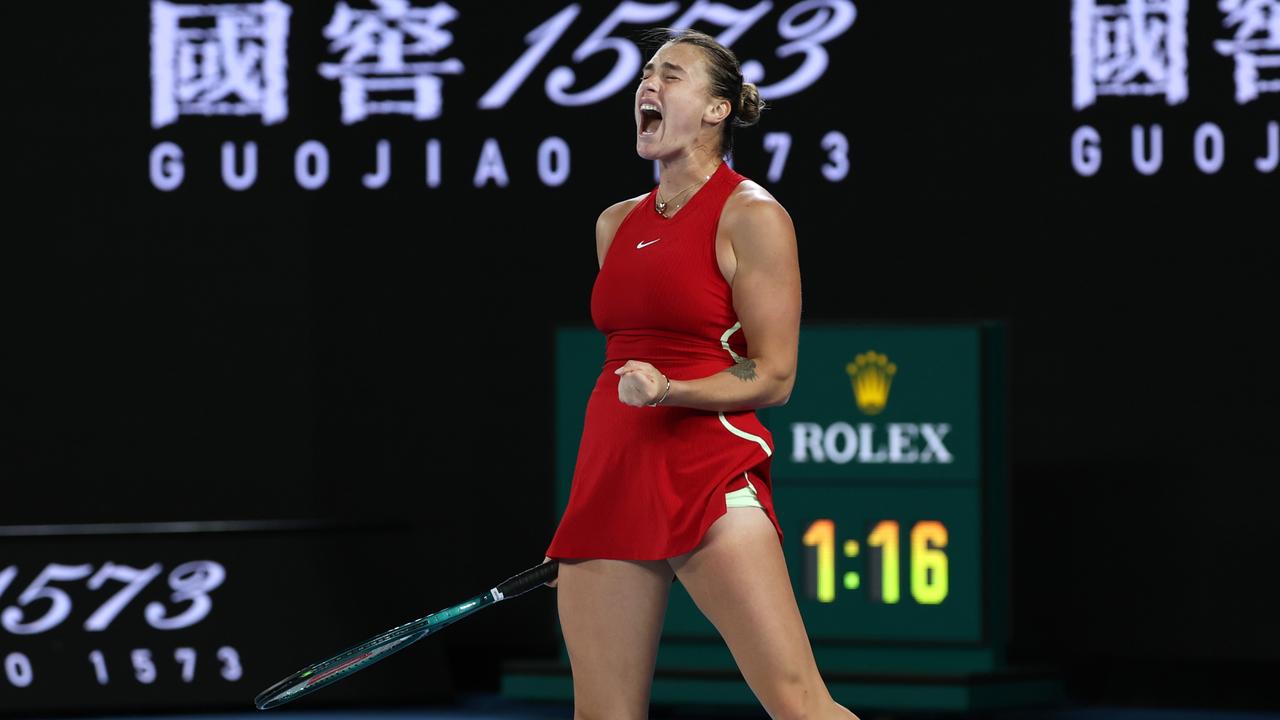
(385, 354)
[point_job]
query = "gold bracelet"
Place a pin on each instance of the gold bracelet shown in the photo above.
(664, 393)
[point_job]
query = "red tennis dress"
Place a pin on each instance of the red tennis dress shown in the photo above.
(649, 481)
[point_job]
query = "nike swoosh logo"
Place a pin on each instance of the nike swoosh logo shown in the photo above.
(643, 244)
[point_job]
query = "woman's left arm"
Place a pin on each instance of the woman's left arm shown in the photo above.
(766, 297)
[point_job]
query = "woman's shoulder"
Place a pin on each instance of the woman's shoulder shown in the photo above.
(749, 193)
(750, 203)
(619, 210)
(609, 221)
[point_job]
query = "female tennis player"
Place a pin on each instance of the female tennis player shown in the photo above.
(698, 295)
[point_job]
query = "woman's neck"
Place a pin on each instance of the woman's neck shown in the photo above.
(678, 175)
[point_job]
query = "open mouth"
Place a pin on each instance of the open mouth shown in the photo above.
(650, 119)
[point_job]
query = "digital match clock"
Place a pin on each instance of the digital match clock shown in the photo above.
(927, 562)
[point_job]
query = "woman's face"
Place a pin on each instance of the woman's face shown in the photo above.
(675, 82)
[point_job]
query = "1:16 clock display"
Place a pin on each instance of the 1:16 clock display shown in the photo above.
(928, 562)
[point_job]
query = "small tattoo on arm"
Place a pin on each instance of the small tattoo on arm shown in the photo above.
(744, 369)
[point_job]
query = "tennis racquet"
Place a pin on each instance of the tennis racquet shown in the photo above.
(377, 648)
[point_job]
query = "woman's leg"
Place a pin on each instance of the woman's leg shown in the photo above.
(738, 578)
(611, 614)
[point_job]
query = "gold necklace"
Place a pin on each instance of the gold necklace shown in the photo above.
(662, 206)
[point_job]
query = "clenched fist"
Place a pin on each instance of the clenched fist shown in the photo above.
(640, 383)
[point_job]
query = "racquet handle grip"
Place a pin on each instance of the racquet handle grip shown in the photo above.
(529, 579)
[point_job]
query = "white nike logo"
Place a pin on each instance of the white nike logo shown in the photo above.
(643, 244)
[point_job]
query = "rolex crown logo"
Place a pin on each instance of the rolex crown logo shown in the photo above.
(871, 374)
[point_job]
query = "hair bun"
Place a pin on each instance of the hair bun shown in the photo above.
(749, 106)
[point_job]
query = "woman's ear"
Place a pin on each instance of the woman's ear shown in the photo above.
(721, 110)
